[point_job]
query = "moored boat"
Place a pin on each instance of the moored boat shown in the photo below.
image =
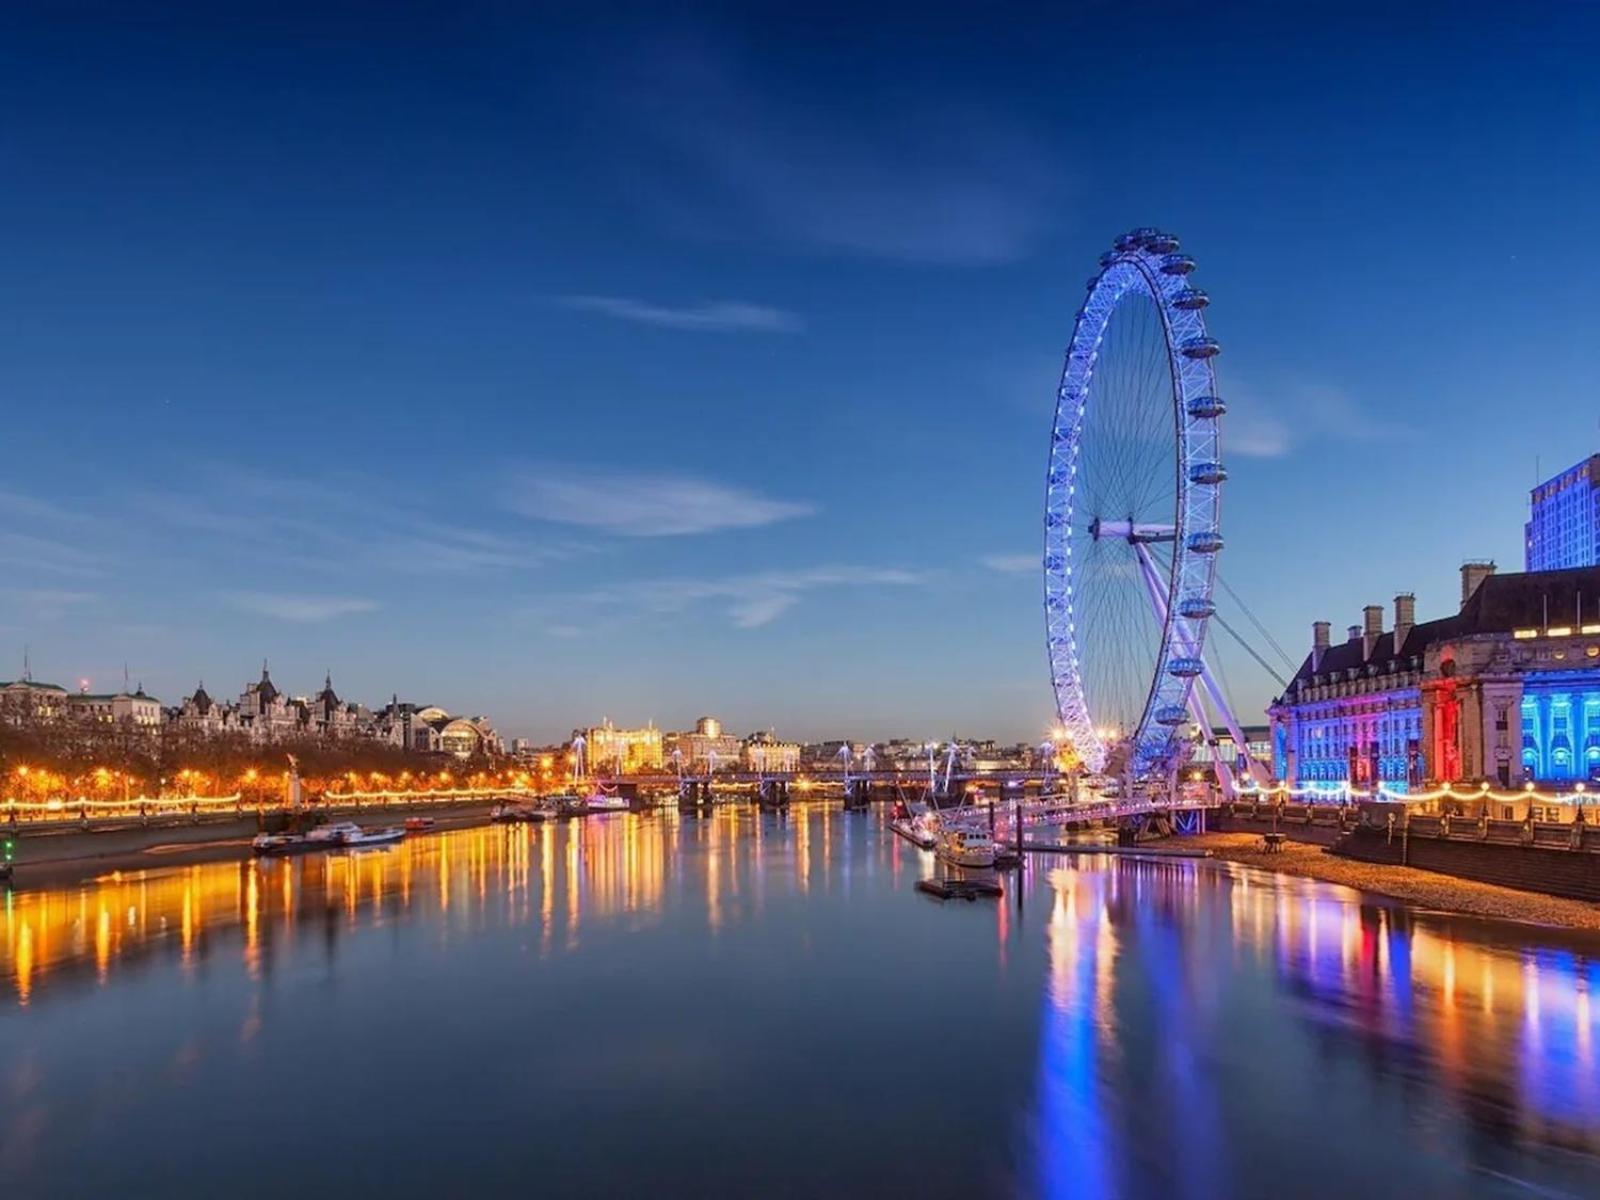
(963, 847)
(339, 834)
(418, 824)
(356, 838)
(511, 812)
(918, 824)
(278, 844)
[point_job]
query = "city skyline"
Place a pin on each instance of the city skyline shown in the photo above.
(660, 368)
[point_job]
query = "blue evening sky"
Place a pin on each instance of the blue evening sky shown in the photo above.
(650, 361)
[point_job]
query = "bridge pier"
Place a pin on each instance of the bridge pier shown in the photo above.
(694, 795)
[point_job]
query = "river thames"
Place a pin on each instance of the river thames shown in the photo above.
(753, 1004)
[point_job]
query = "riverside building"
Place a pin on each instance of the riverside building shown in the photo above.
(1505, 690)
(704, 746)
(623, 750)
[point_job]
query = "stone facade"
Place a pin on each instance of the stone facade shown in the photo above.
(764, 752)
(1506, 691)
(608, 748)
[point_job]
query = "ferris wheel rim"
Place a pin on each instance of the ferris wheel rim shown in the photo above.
(1147, 261)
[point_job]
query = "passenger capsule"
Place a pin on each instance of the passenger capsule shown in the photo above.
(1207, 406)
(1192, 299)
(1201, 347)
(1109, 257)
(1170, 715)
(1196, 608)
(1184, 668)
(1206, 541)
(1177, 264)
(1161, 243)
(1207, 472)
(1126, 242)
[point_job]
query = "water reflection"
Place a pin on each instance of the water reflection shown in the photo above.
(559, 875)
(1489, 1037)
(1131, 1028)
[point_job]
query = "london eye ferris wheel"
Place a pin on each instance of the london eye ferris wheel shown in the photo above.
(1133, 499)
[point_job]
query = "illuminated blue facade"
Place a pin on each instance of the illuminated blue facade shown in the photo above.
(1563, 528)
(1352, 716)
(1561, 725)
(1372, 739)
(1506, 691)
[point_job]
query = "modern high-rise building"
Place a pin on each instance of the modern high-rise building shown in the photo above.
(1563, 528)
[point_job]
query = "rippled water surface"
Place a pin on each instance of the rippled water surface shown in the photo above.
(745, 1004)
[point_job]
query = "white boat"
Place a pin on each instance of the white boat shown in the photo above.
(920, 827)
(963, 847)
(512, 812)
(324, 837)
(357, 838)
(282, 843)
(600, 802)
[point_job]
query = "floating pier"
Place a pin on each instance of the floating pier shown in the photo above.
(922, 841)
(960, 889)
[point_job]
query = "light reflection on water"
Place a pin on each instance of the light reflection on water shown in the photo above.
(1130, 1028)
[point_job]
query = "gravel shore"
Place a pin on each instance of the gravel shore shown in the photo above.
(1426, 889)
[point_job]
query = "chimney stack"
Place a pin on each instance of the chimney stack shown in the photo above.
(1473, 573)
(1371, 629)
(1353, 633)
(1319, 642)
(1405, 616)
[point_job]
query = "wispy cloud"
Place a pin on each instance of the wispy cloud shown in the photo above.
(25, 552)
(307, 524)
(947, 182)
(1012, 564)
(309, 610)
(1276, 421)
(34, 605)
(747, 601)
(19, 504)
(644, 505)
(717, 316)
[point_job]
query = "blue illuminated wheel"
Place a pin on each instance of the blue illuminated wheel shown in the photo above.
(1132, 502)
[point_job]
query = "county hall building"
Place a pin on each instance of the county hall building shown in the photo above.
(1505, 690)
